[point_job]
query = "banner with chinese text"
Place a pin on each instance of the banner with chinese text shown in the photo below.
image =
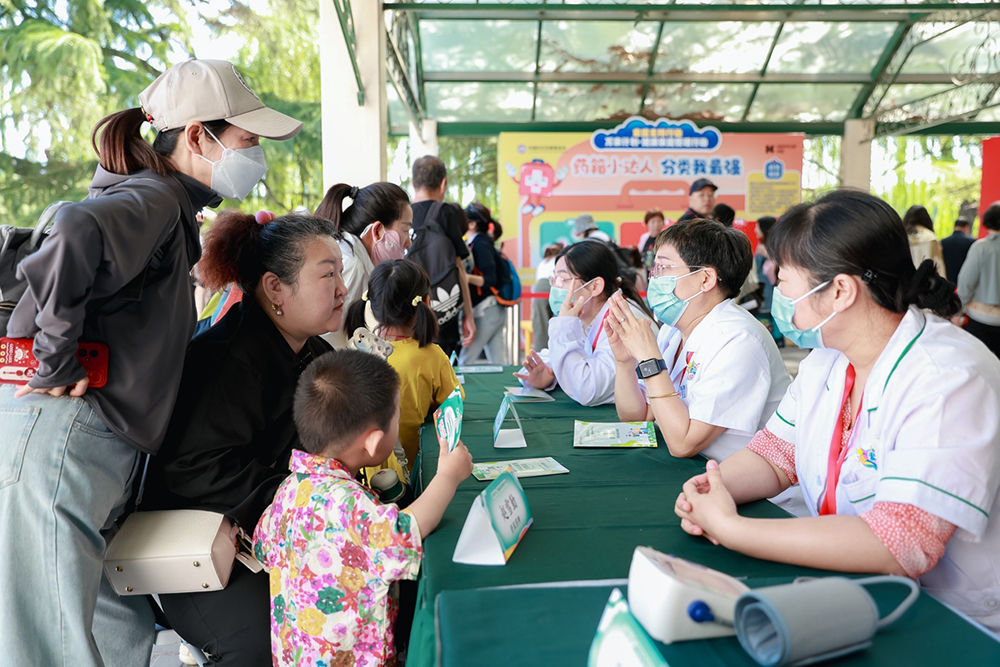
(616, 175)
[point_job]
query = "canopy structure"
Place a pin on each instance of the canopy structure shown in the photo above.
(482, 67)
(860, 69)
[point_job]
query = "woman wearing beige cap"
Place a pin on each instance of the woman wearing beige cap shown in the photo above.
(114, 269)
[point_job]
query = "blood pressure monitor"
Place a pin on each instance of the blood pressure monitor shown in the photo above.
(675, 599)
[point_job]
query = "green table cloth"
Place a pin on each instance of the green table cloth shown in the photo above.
(555, 626)
(586, 523)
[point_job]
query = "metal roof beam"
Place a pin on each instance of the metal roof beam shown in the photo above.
(895, 12)
(891, 48)
(763, 69)
(673, 77)
(538, 60)
(398, 75)
(650, 69)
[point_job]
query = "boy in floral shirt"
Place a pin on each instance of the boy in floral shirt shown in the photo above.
(332, 550)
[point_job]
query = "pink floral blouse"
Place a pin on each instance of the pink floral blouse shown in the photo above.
(333, 552)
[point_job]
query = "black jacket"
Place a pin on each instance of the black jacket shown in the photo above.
(232, 432)
(116, 269)
(955, 249)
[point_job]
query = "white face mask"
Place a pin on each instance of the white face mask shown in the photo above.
(236, 173)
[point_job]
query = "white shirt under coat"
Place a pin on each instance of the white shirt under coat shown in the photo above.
(928, 434)
(585, 372)
(729, 373)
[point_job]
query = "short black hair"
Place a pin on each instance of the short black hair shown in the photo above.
(724, 213)
(963, 222)
(857, 234)
(340, 395)
(991, 216)
(702, 243)
(428, 172)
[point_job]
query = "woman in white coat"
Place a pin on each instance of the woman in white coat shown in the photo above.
(713, 373)
(890, 428)
(579, 357)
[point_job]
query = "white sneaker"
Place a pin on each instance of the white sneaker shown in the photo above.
(184, 655)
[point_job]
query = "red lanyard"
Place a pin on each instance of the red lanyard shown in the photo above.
(838, 449)
(593, 346)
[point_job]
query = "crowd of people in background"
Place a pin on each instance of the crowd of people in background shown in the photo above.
(258, 419)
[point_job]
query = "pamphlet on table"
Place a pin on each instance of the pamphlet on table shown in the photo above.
(613, 434)
(539, 467)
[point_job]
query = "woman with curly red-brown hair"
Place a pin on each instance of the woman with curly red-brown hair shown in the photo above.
(231, 434)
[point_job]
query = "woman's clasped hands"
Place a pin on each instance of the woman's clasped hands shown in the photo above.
(705, 505)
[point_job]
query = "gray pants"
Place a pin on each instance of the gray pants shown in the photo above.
(491, 325)
(64, 480)
(540, 316)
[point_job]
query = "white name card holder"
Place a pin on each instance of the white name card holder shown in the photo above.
(507, 438)
(498, 519)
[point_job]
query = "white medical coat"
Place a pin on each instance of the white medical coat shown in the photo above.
(729, 373)
(928, 434)
(585, 372)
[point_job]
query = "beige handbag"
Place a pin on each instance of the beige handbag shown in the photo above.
(171, 551)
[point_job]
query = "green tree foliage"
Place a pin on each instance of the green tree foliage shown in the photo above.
(280, 60)
(63, 66)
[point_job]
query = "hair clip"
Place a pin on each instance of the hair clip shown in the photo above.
(149, 116)
(869, 276)
(417, 299)
(263, 217)
(353, 192)
(364, 295)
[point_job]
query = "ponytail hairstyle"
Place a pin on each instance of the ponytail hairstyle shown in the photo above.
(858, 234)
(239, 250)
(595, 259)
(379, 201)
(396, 292)
(702, 242)
(122, 150)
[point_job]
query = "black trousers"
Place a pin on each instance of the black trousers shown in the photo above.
(231, 625)
(990, 335)
(450, 336)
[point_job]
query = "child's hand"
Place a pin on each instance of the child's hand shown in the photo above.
(455, 465)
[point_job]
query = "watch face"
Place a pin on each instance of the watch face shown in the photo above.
(647, 367)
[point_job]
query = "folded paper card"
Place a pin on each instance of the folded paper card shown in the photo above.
(479, 370)
(613, 434)
(448, 418)
(496, 523)
(507, 438)
(539, 467)
(620, 640)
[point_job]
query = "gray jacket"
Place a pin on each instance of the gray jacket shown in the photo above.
(116, 269)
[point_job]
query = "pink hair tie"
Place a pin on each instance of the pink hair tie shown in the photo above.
(263, 217)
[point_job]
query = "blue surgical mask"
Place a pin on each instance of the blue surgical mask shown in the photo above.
(783, 312)
(556, 297)
(667, 306)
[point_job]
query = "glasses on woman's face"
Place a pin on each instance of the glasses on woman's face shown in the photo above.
(563, 278)
(663, 269)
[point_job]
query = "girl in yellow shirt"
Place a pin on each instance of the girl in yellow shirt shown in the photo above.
(398, 301)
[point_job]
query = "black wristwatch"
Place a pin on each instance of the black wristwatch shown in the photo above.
(650, 367)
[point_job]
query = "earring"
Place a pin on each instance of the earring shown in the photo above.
(277, 310)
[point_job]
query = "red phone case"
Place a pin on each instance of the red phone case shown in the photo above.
(18, 364)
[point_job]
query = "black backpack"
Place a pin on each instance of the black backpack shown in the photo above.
(434, 251)
(16, 243)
